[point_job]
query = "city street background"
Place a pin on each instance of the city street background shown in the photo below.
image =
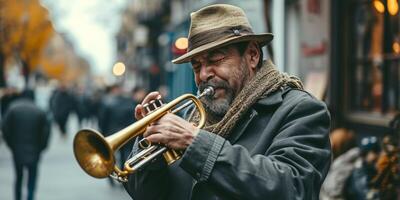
(60, 177)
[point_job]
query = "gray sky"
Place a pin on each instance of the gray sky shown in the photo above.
(91, 26)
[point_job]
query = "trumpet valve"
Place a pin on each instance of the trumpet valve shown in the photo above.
(171, 156)
(153, 105)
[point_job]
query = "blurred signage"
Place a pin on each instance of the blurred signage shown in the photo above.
(314, 45)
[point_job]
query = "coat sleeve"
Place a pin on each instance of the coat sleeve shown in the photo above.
(6, 128)
(293, 167)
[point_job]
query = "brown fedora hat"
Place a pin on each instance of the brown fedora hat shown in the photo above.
(216, 26)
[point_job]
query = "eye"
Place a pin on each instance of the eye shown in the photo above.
(196, 67)
(216, 59)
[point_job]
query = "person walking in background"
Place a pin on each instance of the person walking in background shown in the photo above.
(346, 154)
(61, 104)
(358, 185)
(8, 96)
(82, 106)
(116, 114)
(26, 132)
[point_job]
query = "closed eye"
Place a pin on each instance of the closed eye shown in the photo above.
(196, 66)
(217, 60)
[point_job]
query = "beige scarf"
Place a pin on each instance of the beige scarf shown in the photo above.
(266, 81)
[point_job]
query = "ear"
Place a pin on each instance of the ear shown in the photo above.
(252, 55)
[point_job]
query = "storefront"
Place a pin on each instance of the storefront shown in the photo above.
(347, 54)
(365, 70)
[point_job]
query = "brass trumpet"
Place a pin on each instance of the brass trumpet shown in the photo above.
(95, 153)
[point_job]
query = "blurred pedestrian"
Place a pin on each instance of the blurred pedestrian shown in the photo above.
(82, 106)
(138, 94)
(358, 185)
(345, 155)
(62, 104)
(116, 114)
(26, 132)
(8, 96)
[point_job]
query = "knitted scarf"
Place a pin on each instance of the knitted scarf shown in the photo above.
(266, 81)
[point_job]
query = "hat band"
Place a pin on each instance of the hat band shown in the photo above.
(217, 34)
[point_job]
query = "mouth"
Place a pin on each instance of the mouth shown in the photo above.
(219, 92)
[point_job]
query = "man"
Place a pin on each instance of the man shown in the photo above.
(265, 138)
(26, 132)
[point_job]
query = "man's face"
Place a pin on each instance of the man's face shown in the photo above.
(226, 71)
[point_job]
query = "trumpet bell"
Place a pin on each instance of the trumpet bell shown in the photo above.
(93, 153)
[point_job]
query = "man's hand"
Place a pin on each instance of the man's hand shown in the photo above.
(170, 130)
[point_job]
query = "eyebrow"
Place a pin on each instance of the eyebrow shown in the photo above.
(223, 50)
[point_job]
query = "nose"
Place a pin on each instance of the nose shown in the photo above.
(206, 73)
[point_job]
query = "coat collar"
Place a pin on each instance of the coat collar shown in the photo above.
(274, 99)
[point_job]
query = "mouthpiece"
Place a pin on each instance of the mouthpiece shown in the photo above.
(208, 91)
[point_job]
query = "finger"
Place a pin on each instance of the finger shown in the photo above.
(170, 140)
(149, 132)
(175, 120)
(139, 114)
(157, 138)
(170, 118)
(153, 129)
(150, 96)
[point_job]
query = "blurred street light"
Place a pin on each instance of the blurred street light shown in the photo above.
(393, 7)
(379, 6)
(182, 43)
(396, 47)
(119, 69)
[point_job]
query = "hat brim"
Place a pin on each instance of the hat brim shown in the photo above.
(261, 39)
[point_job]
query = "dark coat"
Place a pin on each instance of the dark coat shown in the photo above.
(116, 113)
(25, 130)
(279, 150)
(62, 103)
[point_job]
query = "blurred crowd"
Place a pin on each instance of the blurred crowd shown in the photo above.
(364, 168)
(28, 115)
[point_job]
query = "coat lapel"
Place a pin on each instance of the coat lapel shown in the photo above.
(272, 100)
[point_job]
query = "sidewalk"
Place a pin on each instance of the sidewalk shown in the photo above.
(60, 177)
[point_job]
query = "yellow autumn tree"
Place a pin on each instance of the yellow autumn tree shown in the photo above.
(25, 29)
(10, 15)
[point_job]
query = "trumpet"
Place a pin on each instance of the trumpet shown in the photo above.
(95, 153)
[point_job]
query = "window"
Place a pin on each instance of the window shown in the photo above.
(374, 84)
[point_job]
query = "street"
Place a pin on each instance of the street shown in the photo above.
(60, 176)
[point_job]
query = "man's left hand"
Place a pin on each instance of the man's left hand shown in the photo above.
(172, 132)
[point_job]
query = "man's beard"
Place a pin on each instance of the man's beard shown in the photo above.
(216, 109)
